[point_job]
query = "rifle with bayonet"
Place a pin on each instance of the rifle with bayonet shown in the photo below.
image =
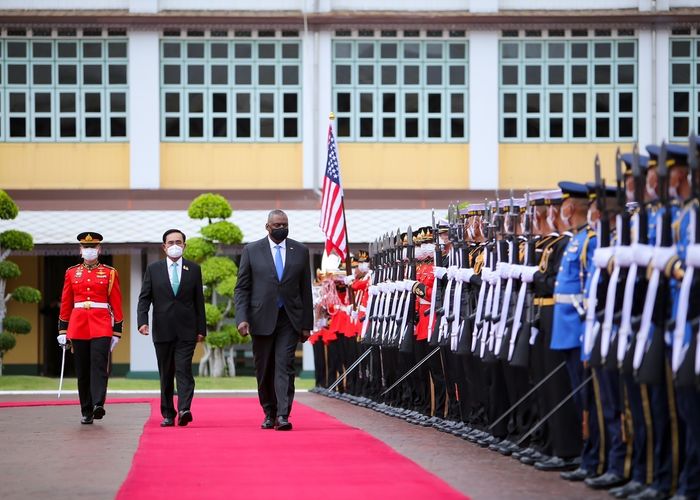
(436, 309)
(499, 255)
(649, 356)
(409, 299)
(485, 291)
(503, 330)
(519, 344)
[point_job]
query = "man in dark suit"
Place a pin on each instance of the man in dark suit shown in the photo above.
(174, 287)
(274, 304)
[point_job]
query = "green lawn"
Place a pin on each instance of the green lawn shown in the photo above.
(29, 383)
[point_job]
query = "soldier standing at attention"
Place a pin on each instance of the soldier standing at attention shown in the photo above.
(91, 318)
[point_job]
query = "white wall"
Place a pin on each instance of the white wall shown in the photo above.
(142, 352)
(662, 81)
(144, 110)
(646, 108)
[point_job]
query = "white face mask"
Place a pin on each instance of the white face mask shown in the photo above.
(651, 192)
(673, 192)
(363, 266)
(89, 253)
(428, 249)
(589, 219)
(551, 218)
(174, 251)
(629, 195)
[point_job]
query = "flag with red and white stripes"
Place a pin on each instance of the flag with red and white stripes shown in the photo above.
(332, 212)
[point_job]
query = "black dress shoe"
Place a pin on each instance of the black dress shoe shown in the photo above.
(533, 458)
(649, 493)
(86, 419)
(282, 424)
(522, 453)
(606, 481)
(631, 488)
(578, 475)
(557, 464)
(167, 422)
(98, 412)
(184, 418)
(268, 423)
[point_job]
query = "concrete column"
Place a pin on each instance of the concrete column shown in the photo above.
(144, 110)
(483, 110)
(645, 91)
(661, 84)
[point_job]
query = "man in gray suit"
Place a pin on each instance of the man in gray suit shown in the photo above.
(174, 287)
(274, 305)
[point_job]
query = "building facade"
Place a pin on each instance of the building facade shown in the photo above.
(136, 106)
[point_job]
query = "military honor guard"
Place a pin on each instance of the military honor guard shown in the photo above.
(91, 320)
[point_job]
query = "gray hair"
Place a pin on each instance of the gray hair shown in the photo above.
(275, 212)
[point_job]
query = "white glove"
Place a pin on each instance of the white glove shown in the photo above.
(516, 271)
(439, 272)
(661, 257)
(503, 270)
(115, 341)
(452, 272)
(62, 339)
(624, 256)
(692, 256)
(349, 279)
(602, 256)
(642, 254)
(465, 274)
(528, 273)
(373, 290)
(486, 275)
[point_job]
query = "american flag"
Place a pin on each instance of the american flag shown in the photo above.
(332, 213)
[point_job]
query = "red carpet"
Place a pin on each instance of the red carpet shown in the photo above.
(223, 453)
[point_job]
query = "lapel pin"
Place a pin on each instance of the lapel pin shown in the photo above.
(185, 268)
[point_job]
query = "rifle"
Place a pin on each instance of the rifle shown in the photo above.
(649, 355)
(409, 304)
(519, 345)
(503, 330)
(493, 312)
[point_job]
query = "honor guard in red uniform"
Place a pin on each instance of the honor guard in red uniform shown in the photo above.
(91, 319)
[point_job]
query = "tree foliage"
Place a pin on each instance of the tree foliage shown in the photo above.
(224, 232)
(9, 270)
(16, 240)
(209, 206)
(8, 208)
(216, 269)
(7, 342)
(199, 249)
(16, 324)
(26, 295)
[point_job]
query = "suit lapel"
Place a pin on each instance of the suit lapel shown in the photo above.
(267, 255)
(289, 259)
(184, 276)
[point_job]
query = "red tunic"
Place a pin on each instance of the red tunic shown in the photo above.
(99, 284)
(424, 274)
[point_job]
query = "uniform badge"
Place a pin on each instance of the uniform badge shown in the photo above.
(78, 273)
(573, 247)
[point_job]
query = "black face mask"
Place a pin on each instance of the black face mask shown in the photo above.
(279, 234)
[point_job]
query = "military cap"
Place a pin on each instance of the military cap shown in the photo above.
(679, 155)
(443, 225)
(654, 152)
(573, 190)
(89, 238)
(610, 191)
(362, 256)
(627, 159)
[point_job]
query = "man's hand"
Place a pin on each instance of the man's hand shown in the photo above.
(244, 328)
(305, 334)
(61, 339)
(200, 338)
(143, 329)
(113, 344)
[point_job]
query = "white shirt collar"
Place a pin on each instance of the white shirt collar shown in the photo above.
(282, 244)
(178, 262)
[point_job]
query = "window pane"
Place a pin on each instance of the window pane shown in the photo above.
(243, 103)
(171, 50)
(434, 50)
(602, 102)
(267, 127)
(18, 102)
(266, 51)
(389, 75)
(243, 75)
(171, 74)
(681, 102)
(681, 126)
(457, 128)
(579, 50)
(93, 127)
(92, 49)
(267, 103)
(290, 127)
(172, 102)
(457, 103)
(389, 127)
(533, 75)
(42, 49)
(117, 102)
(510, 127)
(556, 127)
(196, 127)
(533, 103)
(195, 74)
(195, 102)
(17, 49)
(366, 103)
(680, 74)
(195, 50)
(67, 74)
(243, 51)
(603, 50)
(411, 127)
(411, 75)
(18, 127)
(92, 74)
(626, 49)
(68, 128)
(579, 127)
(290, 75)
(579, 75)
(556, 75)
(366, 74)
(266, 75)
(42, 127)
(556, 50)
(602, 127)
(117, 74)
(343, 127)
(411, 50)
(289, 103)
(457, 75)
(219, 102)
(579, 103)
(411, 103)
(93, 103)
(290, 51)
(343, 102)
(626, 103)
(118, 50)
(680, 48)
(243, 127)
(67, 50)
(389, 102)
(509, 50)
(625, 74)
(41, 74)
(510, 75)
(365, 50)
(389, 50)
(343, 50)
(602, 74)
(42, 102)
(533, 50)
(366, 127)
(219, 75)
(532, 127)
(434, 103)
(117, 126)
(556, 103)
(219, 50)
(434, 127)
(67, 102)
(219, 127)
(17, 74)
(342, 74)
(626, 127)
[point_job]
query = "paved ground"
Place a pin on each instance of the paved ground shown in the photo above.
(46, 454)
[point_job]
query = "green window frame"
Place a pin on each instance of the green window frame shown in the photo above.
(684, 87)
(568, 89)
(231, 89)
(64, 88)
(401, 89)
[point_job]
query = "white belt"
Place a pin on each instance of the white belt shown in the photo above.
(568, 298)
(91, 305)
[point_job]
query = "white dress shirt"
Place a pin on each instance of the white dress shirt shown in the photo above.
(283, 250)
(178, 264)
